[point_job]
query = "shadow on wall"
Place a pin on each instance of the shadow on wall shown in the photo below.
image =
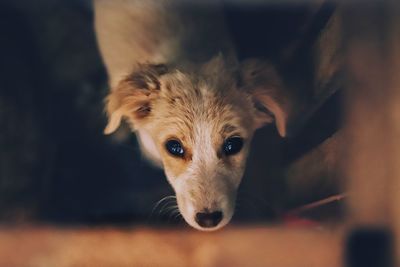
(55, 162)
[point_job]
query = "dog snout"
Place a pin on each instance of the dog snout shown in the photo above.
(209, 219)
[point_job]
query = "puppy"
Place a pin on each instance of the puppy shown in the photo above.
(194, 118)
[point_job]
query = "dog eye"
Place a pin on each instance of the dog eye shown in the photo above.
(232, 145)
(175, 148)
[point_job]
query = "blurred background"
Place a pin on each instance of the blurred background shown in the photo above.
(55, 163)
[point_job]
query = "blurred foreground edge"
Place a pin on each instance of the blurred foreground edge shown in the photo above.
(372, 45)
(257, 246)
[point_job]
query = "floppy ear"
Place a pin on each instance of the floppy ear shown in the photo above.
(272, 103)
(133, 96)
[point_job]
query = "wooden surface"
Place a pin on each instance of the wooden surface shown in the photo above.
(145, 247)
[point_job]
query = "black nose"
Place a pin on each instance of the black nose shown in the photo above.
(208, 219)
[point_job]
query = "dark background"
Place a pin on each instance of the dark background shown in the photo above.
(55, 163)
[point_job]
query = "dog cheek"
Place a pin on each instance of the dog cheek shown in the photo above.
(174, 167)
(184, 204)
(228, 203)
(178, 184)
(234, 173)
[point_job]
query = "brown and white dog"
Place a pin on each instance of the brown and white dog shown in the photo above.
(193, 117)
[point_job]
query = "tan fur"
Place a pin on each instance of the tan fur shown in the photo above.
(129, 32)
(201, 108)
(198, 104)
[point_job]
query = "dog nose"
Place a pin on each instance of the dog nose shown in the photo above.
(208, 219)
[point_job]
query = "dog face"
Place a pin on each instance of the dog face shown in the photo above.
(198, 126)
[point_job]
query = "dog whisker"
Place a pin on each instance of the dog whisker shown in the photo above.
(166, 206)
(178, 215)
(174, 211)
(167, 199)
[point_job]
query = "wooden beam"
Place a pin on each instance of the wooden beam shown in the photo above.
(142, 247)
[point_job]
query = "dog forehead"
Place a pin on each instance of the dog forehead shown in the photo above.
(189, 104)
(201, 129)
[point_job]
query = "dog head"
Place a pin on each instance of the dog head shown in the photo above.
(198, 126)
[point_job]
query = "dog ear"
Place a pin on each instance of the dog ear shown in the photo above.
(272, 103)
(133, 96)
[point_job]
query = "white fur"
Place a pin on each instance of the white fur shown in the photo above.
(204, 185)
(148, 147)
